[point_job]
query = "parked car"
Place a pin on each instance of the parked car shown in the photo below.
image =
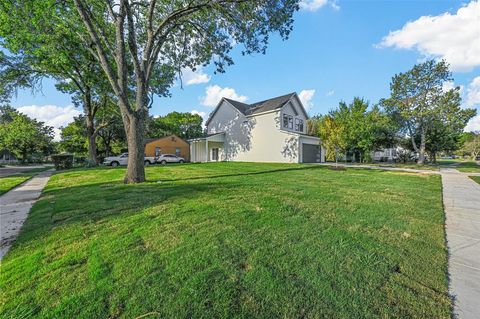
(122, 159)
(170, 158)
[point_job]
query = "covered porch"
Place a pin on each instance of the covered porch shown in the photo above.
(209, 148)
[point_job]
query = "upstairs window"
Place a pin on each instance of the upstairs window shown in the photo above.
(288, 121)
(285, 120)
(299, 125)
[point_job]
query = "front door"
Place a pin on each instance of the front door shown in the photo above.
(214, 154)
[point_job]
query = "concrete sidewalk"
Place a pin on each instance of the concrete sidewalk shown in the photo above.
(461, 198)
(15, 206)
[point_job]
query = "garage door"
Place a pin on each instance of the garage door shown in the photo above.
(311, 153)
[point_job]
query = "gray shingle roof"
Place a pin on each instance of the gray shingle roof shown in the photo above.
(262, 106)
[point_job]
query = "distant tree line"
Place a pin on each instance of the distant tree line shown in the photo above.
(420, 116)
(28, 139)
(111, 139)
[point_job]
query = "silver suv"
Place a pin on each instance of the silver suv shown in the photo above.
(169, 158)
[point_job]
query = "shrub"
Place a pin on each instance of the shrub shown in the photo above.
(62, 161)
(405, 156)
(79, 160)
(89, 163)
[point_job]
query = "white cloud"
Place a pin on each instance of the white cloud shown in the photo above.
(330, 93)
(52, 115)
(473, 92)
(473, 124)
(190, 77)
(306, 97)
(204, 115)
(450, 85)
(453, 37)
(214, 93)
(201, 113)
(314, 5)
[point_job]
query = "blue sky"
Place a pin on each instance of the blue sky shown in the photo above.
(338, 50)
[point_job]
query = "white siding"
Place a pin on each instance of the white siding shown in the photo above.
(262, 141)
(294, 110)
(259, 138)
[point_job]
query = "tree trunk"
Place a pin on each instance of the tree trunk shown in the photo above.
(92, 146)
(135, 130)
(421, 151)
(89, 118)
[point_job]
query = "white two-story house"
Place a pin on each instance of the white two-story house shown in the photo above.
(273, 130)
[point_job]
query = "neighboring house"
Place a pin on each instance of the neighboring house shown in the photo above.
(167, 145)
(6, 157)
(268, 131)
(385, 155)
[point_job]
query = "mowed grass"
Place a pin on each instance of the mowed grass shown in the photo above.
(231, 240)
(469, 167)
(9, 182)
(475, 178)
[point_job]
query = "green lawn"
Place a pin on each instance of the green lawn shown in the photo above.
(475, 178)
(429, 167)
(469, 167)
(9, 182)
(231, 240)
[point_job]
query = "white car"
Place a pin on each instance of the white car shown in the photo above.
(169, 158)
(122, 159)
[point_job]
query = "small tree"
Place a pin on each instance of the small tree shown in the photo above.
(331, 134)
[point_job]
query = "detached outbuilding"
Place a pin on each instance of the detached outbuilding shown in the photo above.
(171, 144)
(7, 157)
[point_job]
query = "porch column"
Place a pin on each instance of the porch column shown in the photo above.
(206, 150)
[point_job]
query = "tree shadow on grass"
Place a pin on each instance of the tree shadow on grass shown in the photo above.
(270, 171)
(93, 202)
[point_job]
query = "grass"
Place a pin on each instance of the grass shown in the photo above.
(475, 178)
(429, 167)
(9, 182)
(468, 167)
(231, 240)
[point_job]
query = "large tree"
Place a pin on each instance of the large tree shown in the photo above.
(419, 101)
(185, 125)
(446, 127)
(73, 137)
(471, 144)
(141, 44)
(38, 48)
(109, 137)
